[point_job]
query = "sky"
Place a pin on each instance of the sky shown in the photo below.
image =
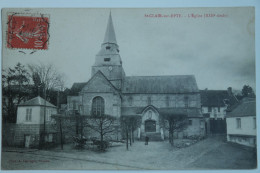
(219, 50)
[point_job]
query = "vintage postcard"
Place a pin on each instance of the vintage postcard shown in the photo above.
(128, 89)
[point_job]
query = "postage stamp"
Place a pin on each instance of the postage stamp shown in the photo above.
(27, 32)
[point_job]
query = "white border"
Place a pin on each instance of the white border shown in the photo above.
(149, 4)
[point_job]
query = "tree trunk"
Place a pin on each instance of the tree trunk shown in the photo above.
(133, 138)
(130, 136)
(127, 138)
(172, 138)
(101, 137)
(77, 125)
(61, 133)
(81, 128)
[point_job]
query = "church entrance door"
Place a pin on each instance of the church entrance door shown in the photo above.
(150, 126)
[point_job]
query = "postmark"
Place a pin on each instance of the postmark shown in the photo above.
(28, 31)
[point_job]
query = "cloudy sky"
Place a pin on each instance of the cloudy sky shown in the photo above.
(219, 51)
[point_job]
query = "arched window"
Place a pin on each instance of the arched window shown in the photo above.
(98, 106)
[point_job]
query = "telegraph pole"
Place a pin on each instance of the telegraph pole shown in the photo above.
(44, 116)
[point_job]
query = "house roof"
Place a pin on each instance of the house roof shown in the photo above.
(37, 101)
(190, 112)
(160, 84)
(243, 109)
(217, 98)
(76, 88)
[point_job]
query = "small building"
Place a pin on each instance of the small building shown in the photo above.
(241, 123)
(29, 127)
(214, 104)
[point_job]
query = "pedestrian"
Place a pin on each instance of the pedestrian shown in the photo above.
(146, 140)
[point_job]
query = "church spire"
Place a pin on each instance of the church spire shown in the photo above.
(110, 36)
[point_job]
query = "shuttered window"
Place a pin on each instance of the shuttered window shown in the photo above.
(238, 123)
(28, 114)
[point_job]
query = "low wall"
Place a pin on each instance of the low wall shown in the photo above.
(14, 134)
(249, 141)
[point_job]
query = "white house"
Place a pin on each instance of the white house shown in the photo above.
(214, 104)
(30, 122)
(241, 123)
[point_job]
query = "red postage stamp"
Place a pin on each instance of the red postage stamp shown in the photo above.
(27, 32)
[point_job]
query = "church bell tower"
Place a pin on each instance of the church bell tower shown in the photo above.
(108, 60)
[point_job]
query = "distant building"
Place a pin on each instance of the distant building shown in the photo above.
(214, 104)
(30, 122)
(110, 91)
(241, 123)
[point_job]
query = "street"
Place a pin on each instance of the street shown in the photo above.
(211, 153)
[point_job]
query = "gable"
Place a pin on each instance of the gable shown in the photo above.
(243, 109)
(98, 83)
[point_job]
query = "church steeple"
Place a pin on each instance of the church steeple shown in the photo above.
(108, 59)
(110, 36)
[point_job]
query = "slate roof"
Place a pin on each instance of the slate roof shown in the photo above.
(243, 109)
(76, 88)
(37, 101)
(110, 36)
(160, 84)
(190, 112)
(215, 98)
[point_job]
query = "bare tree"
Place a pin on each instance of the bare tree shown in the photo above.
(70, 124)
(47, 75)
(104, 125)
(48, 78)
(174, 123)
(65, 125)
(129, 124)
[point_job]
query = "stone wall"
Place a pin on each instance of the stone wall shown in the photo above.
(27, 129)
(14, 134)
(197, 128)
(114, 74)
(249, 141)
(112, 103)
(74, 102)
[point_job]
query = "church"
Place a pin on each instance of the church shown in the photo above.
(110, 91)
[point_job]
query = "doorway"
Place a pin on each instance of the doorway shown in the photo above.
(27, 141)
(150, 126)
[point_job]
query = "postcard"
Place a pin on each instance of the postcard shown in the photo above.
(128, 88)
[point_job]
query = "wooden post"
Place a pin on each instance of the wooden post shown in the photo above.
(133, 138)
(61, 133)
(126, 137)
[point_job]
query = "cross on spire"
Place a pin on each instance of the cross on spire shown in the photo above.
(110, 36)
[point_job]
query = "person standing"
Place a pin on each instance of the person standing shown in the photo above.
(146, 140)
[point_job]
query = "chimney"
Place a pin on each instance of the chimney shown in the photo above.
(229, 90)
